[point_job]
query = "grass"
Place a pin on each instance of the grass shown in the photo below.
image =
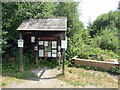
(80, 77)
(18, 77)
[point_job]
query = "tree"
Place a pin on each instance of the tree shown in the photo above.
(70, 10)
(106, 25)
(107, 20)
(15, 13)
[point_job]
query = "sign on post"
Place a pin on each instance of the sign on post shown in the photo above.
(64, 43)
(20, 42)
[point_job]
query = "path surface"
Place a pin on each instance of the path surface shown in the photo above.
(46, 80)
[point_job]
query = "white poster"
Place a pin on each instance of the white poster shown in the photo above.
(49, 54)
(40, 42)
(54, 55)
(40, 53)
(54, 44)
(32, 39)
(64, 43)
(54, 51)
(20, 43)
(45, 43)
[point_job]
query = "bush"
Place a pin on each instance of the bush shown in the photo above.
(115, 70)
(83, 55)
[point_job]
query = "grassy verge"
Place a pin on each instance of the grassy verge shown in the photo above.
(80, 77)
(18, 77)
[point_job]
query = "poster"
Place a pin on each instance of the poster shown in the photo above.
(20, 43)
(54, 51)
(54, 55)
(54, 44)
(49, 54)
(32, 39)
(40, 53)
(64, 43)
(40, 42)
(45, 43)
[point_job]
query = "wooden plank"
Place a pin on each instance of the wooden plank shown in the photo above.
(94, 63)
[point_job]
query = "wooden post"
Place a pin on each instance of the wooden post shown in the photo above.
(37, 52)
(21, 56)
(59, 60)
(63, 62)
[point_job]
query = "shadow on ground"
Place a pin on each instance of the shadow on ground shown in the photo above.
(36, 75)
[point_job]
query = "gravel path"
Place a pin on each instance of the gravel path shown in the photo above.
(46, 80)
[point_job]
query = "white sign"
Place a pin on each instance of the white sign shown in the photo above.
(54, 44)
(20, 43)
(54, 51)
(64, 43)
(49, 54)
(32, 39)
(54, 55)
(40, 53)
(40, 42)
(45, 43)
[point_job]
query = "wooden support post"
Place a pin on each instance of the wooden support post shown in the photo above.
(21, 56)
(59, 60)
(37, 52)
(63, 62)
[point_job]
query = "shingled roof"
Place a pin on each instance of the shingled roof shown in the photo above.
(44, 24)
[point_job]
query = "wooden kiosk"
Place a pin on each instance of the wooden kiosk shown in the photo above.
(48, 36)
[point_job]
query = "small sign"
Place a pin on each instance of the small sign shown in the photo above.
(36, 48)
(45, 43)
(54, 44)
(20, 43)
(54, 55)
(64, 43)
(49, 54)
(41, 53)
(40, 42)
(32, 39)
(54, 51)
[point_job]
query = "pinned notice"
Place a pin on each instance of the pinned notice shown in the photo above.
(32, 39)
(20, 43)
(64, 43)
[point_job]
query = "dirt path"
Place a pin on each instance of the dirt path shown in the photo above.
(46, 80)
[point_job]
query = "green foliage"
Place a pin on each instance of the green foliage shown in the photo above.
(105, 20)
(83, 55)
(35, 10)
(104, 42)
(89, 68)
(49, 62)
(24, 75)
(70, 10)
(115, 70)
(2, 84)
(106, 25)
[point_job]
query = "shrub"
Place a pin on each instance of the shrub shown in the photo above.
(115, 70)
(83, 55)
